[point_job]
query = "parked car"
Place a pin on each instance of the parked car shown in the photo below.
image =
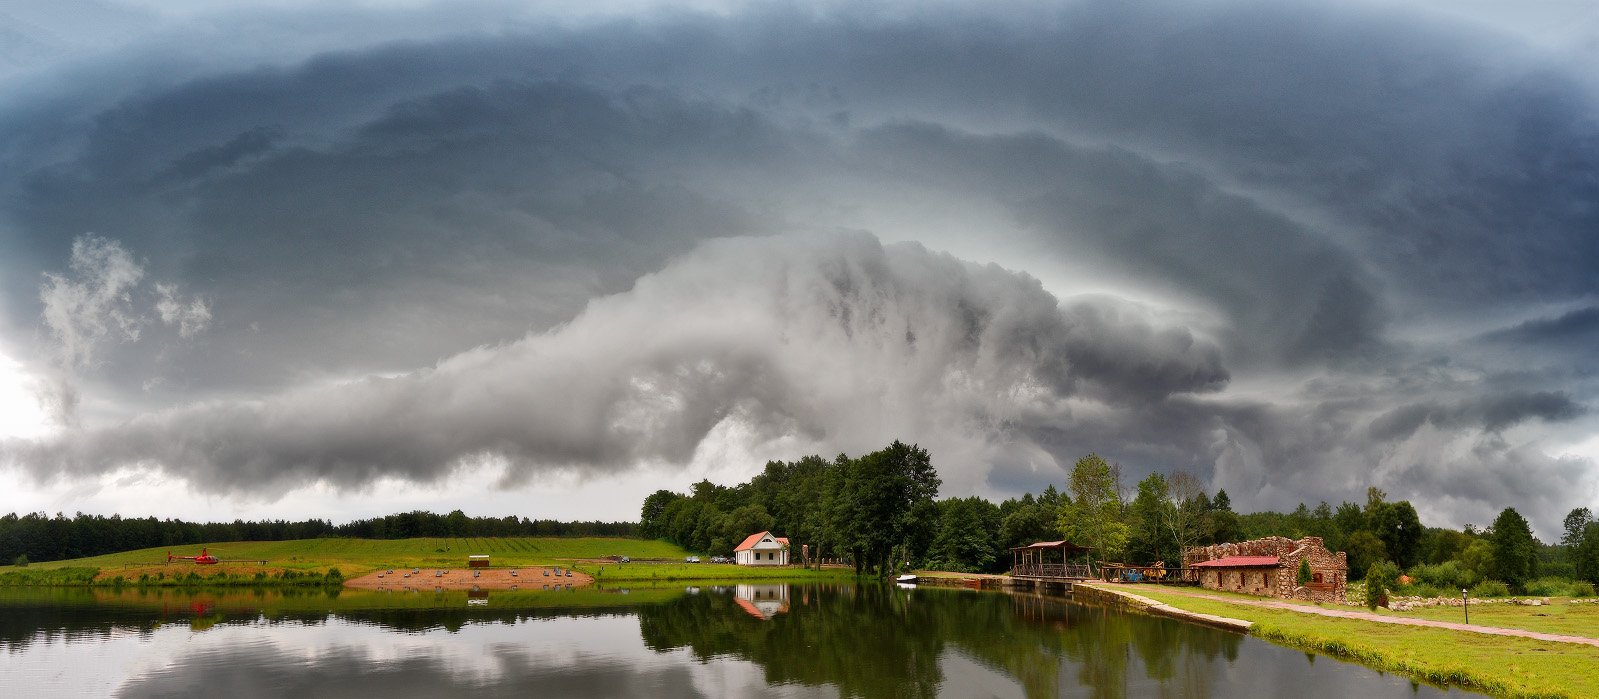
(692, 559)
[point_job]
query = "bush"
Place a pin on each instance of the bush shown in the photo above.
(1451, 576)
(21, 561)
(1490, 588)
(1304, 577)
(1380, 578)
(1551, 586)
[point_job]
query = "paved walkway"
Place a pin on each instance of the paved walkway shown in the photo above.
(1369, 616)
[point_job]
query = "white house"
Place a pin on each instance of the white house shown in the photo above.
(762, 549)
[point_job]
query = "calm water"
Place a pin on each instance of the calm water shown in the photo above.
(736, 641)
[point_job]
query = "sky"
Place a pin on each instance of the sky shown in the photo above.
(287, 259)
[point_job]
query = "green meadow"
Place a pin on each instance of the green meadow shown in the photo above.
(1499, 665)
(352, 557)
(306, 561)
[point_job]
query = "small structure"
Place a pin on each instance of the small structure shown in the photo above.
(477, 561)
(1051, 559)
(762, 549)
(1270, 567)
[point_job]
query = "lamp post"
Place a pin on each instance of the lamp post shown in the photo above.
(1464, 605)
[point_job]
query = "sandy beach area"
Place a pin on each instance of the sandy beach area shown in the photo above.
(523, 578)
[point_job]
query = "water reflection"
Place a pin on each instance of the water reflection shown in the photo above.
(745, 640)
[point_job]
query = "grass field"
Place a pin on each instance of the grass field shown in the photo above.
(1555, 617)
(1503, 666)
(355, 557)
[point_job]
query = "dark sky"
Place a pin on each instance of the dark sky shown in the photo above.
(331, 260)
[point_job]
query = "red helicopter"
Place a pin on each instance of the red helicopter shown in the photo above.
(204, 559)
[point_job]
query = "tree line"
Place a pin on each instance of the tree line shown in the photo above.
(849, 506)
(876, 510)
(38, 537)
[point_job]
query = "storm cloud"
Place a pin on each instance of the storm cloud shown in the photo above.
(1299, 248)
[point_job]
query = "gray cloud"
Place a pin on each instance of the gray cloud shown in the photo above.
(834, 338)
(1242, 213)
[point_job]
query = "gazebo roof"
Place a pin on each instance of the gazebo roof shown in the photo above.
(1062, 545)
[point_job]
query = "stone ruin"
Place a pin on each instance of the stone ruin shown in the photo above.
(1329, 571)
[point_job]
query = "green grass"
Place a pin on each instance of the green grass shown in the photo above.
(355, 557)
(1499, 665)
(1555, 617)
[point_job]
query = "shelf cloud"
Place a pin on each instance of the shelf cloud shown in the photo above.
(1297, 248)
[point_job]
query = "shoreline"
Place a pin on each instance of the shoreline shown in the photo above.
(512, 578)
(1499, 665)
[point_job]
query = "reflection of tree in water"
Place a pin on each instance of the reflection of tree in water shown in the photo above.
(880, 641)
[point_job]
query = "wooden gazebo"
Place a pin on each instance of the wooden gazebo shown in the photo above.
(1051, 559)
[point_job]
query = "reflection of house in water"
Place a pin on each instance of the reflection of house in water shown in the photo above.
(762, 601)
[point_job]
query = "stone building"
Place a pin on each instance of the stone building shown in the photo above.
(1270, 567)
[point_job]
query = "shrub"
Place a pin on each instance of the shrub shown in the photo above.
(1304, 576)
(1452, 576)
(1380, 578)
(1551, 586)
(1490, 588)
(21, 561)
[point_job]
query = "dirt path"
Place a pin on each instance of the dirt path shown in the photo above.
(525, 578)
(1369, 616)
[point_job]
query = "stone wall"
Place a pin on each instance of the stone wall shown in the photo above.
(1282, 581)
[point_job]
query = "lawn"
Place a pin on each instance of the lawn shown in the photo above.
(355, 557)
(1503, 666)
(1555, 617)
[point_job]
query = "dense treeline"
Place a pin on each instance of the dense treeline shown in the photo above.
(838, 505)
(876, 510)
(38, 537)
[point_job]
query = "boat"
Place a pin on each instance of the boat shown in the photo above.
(907, 579)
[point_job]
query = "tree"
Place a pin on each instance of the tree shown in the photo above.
(1148, 536)
(651, 524)
(1364, 549)
(1222, 503)
(1304, 576)
(885, 501)
(967, 538)
(1515, 551)
(1380, 578)
(1093, 516)
(1585, 555)
(1399, 528)
(1187, 511)
(1576, 523)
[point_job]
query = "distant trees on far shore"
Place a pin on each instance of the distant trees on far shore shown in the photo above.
(37, 537)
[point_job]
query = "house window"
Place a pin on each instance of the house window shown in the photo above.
(1315, 577)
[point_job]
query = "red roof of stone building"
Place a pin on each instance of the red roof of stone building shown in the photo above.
(1239, 562)
(749, 541)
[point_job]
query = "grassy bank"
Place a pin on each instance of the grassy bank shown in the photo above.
(328, 561)
(270, 562)
(1499, 665)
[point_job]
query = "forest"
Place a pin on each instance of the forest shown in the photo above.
(36, 537)
(881, 511)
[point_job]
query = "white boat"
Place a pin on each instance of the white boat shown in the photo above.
(907, 579)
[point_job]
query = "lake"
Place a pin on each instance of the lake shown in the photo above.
(712, 641)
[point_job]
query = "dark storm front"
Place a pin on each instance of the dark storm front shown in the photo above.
(741, 640)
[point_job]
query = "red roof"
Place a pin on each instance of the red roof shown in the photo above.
(1239, 562)
(749, 541)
